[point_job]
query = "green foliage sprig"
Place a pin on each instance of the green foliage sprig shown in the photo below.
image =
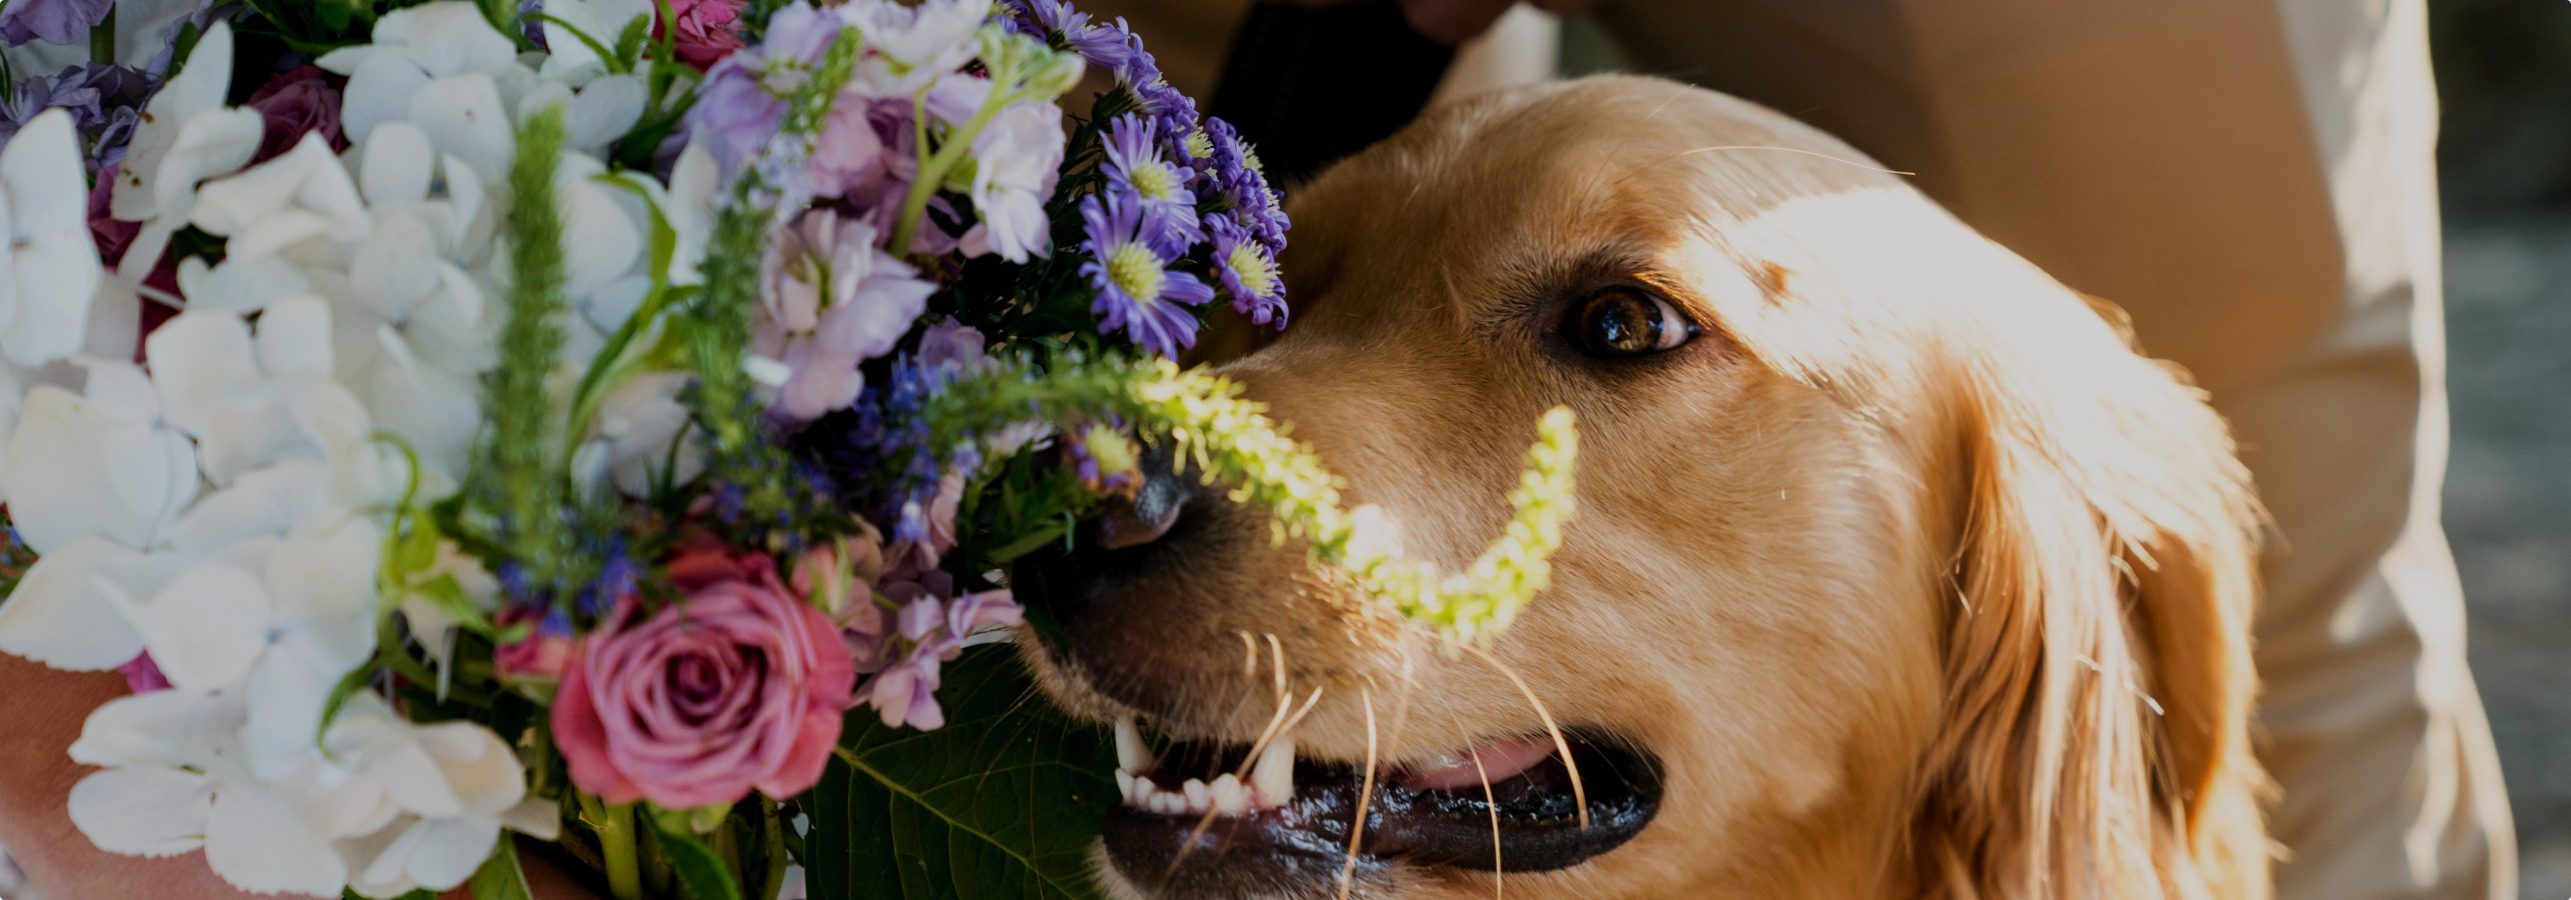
(1232, 441)
(717, 321)
(521, 486)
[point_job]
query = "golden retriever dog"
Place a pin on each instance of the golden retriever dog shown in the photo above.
(1896, 573)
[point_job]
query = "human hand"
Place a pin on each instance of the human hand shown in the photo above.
(1456, 21)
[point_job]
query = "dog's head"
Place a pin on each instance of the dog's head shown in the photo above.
(1896, 572)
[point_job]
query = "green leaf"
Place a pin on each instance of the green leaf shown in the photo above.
(629, 45)
(698, 868)
(1002, 802)
(500, 878)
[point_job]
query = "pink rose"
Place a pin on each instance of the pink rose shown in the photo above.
(708, 30)
(297, 101)
(541, 655)
(738, 687)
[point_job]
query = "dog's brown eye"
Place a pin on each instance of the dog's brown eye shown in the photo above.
(1619, 322)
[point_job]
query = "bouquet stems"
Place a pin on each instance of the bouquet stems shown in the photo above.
(616, 848)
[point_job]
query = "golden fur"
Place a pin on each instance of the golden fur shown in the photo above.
(1919, 581)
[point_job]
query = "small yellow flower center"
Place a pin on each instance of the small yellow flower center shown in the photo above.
(1200, 145)
(1256, 272)
(1137, 271)
(1155, 181)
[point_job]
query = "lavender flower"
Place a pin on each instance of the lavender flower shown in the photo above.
(1248, 271)
(1130, 255)
(1231, 172)
(1015, 161)
(51, 21)
(105, 102)
(831, 299)
(744, 96)
(1105, 46)
(1135, 165)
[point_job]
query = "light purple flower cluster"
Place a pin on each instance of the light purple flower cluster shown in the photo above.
(105, 101)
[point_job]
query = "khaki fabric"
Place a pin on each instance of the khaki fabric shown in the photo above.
(2253, 181)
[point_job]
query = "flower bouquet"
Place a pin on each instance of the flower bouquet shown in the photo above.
(605, 421)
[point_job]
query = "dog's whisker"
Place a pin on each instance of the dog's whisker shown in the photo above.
(1276, 650)
(1490, 798)
(1562, 745)
(1249, 653)
(1365, 794)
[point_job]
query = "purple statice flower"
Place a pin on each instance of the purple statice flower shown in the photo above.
(105, 102)
(1130, 255)
(1135, 164)
(1248, 271)
(744, 96)
(51, 21)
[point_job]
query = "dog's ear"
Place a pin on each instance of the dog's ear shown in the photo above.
(2098, 678)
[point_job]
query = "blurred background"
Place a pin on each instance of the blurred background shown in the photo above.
(2504, 75)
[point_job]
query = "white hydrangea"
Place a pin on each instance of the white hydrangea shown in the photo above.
(220, 505)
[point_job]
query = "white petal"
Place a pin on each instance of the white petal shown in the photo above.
(228, 205)
(143, 812)
(238, 286)
(53, 265)
(152, 471)
(444, 852)
(379, 92)
(266, 503)
(210, 145)
(162, 729)
(199, 87)
(463, 116)
(399, 163)
(206, 627)
(286, 694)
(535, 817)
(115, 320)
(260, 841)
(476, 765)
(57, 480)
(600, 242)
(397, 267)
(447, 38)
(60, 617)
(604, 111)
(294, 338)
(196, 359)
(327, 566)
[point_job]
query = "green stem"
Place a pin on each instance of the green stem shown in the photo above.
(616, 848)
(933, 172)
(772, 836)
(102, 39)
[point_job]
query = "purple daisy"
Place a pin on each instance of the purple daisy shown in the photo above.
(1136, 167)
(1248, 271)
(1138, 292)
(1103, 45)
(1229, 170)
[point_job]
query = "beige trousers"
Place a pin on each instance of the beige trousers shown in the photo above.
(2252, 180)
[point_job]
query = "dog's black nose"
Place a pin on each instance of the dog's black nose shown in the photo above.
(1127, 539)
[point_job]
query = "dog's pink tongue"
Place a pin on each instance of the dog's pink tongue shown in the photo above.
(1499, 760)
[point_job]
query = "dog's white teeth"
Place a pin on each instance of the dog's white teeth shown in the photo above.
(1230, 798)
(1132, 756)
(1198, 797)
(1125, 784)
(1273, 777)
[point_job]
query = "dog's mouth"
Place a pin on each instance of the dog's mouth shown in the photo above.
(1208, 818)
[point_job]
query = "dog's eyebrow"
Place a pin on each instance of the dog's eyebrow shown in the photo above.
(1534, 286)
